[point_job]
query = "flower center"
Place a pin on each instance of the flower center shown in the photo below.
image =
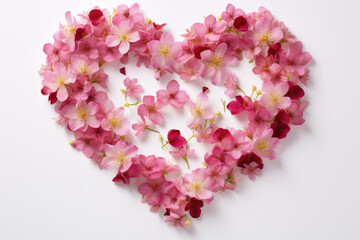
(164, 51)
(123, 36)
(119, 159)
(215, 62)
(69, 30)
(81, 67)
(262, 145)
(114, 122)
(82, 114)
(197, 186)
(60, 80)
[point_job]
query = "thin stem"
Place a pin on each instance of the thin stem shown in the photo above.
(130, 104)
(187, 163)
(205, 124)
(164, 145)
(152, 130)
(238, 88)
(223, 103)
(190, 138)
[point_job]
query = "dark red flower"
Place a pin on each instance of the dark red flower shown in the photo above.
(239, 105)
(280, 129)
(197, 49)
(224, 137)
(79, 34)
(158, 27)
(248, 158)
(53, 98)
(241, 24)
(282, 116)
(132, 172)
(204, 89)
(123, 70)
(295, 91)
(96, 16)
(275, 50)
(175, 139)
(194, 205)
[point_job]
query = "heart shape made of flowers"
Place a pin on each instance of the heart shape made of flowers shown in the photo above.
(74, 66)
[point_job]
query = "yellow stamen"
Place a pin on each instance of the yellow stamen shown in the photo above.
(164, 51)
(71, 142)
(215, 62)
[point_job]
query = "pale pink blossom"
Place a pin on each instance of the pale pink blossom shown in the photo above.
(274, 96)
(264, 144)
(164, 50)
(122, 36)
(252, 170)
(211, 30)
(231, 85)
(115, 121)
(119, 155)
(67, 31)
(191, 70)
(199, 110)
(108, 54)
(86, 143)
(132, 13)
(149, 108)
(294, 60)
(172, 95)
(295, 112)
(81, 115)
(266, 67)
(241, 145)
(173, 198)
(81, 88)
(132, 88)
(82, 65)
(153, 166)
(154, 190)
(198, 184)
(216, 63)
(58, 79)
(140, 126)
(266, 33)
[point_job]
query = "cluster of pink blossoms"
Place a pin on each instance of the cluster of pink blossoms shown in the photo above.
(74, 65)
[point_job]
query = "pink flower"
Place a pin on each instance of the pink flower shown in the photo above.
(81, 88)
(183, 152)
(219, 155)
(259, 117)
(266, 32)
(67, 32)
(252, 170)
(172, 95)
(264, 144)
(126, 13)
(87, 46)
(274, 96)
(224, 137)
(217, 63)
(122, 36)
(231, 85)
(295, 112)
(132, 88)
(154, 190)
(173, 198)
(132, 172)
(81, 65)
(177, 217)
(240, 144)
(191, 70)
(216, 172)
(119, 155)
(198, 110)
(153, 166)
(58, 79)
(81, 115)
(266, 67)
(108, 54)
(164, 50)
(140, 126)
(100, 78)
(211, 30)
(231, 13)
(116, 122)
(197, 185)
(294, 60)
(86, 144)
(150, 109)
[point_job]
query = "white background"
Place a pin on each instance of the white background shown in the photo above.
(311, 191)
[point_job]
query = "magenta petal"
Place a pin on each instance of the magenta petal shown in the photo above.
(175, 139)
